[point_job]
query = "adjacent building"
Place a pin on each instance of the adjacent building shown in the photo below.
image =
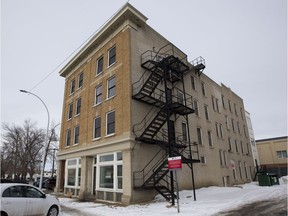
(132, 100)
(273, 155)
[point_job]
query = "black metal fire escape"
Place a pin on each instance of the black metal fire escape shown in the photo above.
(162, 86)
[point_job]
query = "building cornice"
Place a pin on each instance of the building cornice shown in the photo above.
(127, 12)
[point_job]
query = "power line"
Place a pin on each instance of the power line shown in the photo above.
(78, 48)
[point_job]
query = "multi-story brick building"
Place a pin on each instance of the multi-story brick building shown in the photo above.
(132, 100)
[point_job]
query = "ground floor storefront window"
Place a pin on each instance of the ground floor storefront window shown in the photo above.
(108, 179)
(73, 175)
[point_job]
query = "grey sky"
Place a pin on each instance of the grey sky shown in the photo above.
(244, 43)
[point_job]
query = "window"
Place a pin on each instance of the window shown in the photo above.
(229, 104)
(206, 112)
(227, 122)
(223, 101)
(235, 110)
(236, 146)
(217, 129)
(97, 128)
(78, 106)
(80, 80)
(72, 86)
(209, 133)
(112, 56)
(220, 130)
(220, 157)
(68, 137)
(229, 144)
(224, 158)
(110, 119)
(241, 146)
(233, 126)
(180, 97)
(99, 67)
(184, 131)
(70, 111)
(203, 88)
(247, 148)
(238, 127)
(199, 136)
(196, 107)
(110, 171)
(240, 170)
(14, 191)
(98, 94)
(111, 87)
(244, 129)
(193, 83)
(76, 134)
(73, 173)
(282, 154)
(241, 113)
(202, 160)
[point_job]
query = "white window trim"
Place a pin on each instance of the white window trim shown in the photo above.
(96, 138)
(114, 46)
(76, 166)
(107, 95)
(98, 74)
(113, 163)
(106, 124)
(95, 95)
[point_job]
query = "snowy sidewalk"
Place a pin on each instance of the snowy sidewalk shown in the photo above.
(210, 200)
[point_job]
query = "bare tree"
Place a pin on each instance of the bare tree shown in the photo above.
(21, 149)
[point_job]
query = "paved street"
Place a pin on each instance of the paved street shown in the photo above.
(275, 207)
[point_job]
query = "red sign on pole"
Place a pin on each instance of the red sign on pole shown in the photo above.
(174, 163)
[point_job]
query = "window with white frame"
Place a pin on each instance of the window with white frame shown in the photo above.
(76, 134)
(97, 128)
(109, 172)
(110, 123)
(70, 111)
(111, 87)
(98, 94)
(80, 80)
(73, 173)
(72, 86)
(68, 137)
(99, 67)
(78, 106)
(112, 56)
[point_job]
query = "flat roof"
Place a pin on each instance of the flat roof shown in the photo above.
(271, 139)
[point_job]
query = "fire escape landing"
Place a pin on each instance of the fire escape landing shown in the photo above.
(162, 87)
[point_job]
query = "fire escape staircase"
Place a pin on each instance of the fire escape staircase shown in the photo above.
(156, 174)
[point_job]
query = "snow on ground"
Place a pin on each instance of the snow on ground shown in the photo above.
(210, 200)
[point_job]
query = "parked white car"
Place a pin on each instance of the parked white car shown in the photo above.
(23, 199)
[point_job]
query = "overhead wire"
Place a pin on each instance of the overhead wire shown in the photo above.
(78, 48)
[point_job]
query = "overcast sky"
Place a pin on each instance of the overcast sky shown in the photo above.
(244, 43)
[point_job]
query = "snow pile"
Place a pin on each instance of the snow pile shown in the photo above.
(210, 200)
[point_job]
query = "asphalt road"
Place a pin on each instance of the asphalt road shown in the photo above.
(274, 207)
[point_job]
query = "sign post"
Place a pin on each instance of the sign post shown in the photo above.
(174, 164)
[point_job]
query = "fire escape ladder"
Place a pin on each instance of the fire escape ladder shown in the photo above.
(155, 125)
(162, 86)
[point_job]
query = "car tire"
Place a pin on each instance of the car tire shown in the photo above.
(3, 214)
(53, 211)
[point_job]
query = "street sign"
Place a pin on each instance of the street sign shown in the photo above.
(175, 163)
